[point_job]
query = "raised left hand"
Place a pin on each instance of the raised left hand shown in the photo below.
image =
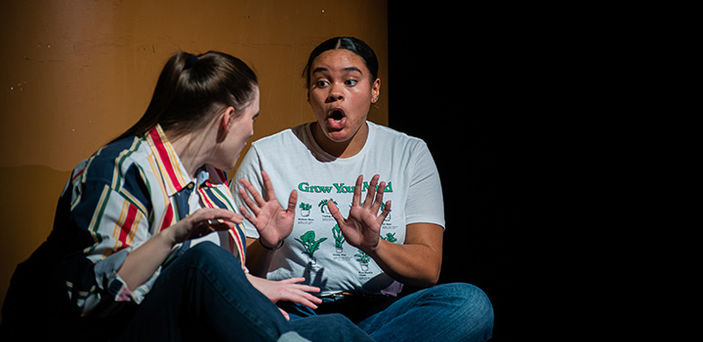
(362, 228)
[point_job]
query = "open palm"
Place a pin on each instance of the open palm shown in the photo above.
(362, 227)
(273, 222)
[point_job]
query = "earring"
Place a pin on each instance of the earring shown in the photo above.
(374, 100)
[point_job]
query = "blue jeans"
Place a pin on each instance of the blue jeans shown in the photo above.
(448, 312)
(204, 295)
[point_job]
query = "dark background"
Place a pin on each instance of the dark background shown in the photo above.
(459, 82)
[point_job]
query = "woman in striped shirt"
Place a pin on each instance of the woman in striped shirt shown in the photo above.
(146, 242)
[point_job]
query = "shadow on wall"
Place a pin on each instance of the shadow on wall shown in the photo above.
(27, 209)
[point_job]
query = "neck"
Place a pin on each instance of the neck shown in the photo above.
(342, 149)
(191, 151)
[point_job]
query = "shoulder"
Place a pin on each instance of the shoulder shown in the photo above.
(275, 148)
(275, 140)
(397, 140)
(117, 168)
(116, 164)
(287, 141)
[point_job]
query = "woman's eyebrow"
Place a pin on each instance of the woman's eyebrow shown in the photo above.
(323, 69)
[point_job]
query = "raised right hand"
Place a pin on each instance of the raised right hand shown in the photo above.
(272, 221)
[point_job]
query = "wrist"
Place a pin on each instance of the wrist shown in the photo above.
(372, 251)
(167, 237)
(278, 245)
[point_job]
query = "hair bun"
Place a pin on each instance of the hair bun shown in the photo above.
(190, 61)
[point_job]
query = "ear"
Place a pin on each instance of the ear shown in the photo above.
(375, 90)
(224, 123)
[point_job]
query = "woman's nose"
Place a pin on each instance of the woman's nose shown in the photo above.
(335, 94)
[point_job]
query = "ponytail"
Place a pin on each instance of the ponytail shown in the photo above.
(191, 89)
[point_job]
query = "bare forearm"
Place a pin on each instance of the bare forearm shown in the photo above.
(412, 264)
(258, 258)
(142, 262)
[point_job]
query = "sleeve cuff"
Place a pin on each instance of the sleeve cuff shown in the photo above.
(113, 286)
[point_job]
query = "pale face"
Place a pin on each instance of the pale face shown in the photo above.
(241, 128)
(341, 93)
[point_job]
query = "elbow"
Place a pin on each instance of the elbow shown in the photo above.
(428, 279)
(434, 280)
(422, 282)
(433, 273)
(433, 277)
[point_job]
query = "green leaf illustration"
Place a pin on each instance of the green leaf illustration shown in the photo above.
(390, 237)
(309, 243)
(338, 237)
(362, 257)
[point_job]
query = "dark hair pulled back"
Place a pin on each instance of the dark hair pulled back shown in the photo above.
(352, 44)
(191, 89)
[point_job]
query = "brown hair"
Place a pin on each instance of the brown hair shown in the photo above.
(352, 44)
(192, 88)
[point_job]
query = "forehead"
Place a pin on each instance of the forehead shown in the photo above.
(338, 60)
(257, 97)
(253, 104)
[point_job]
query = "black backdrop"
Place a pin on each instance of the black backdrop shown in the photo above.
(456, 78)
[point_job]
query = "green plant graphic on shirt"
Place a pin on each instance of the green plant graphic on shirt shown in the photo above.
(309, 243)
(305, 209)
(363, 260)
(338, 238)
(362, 257)
(390, 237)
(323, 205)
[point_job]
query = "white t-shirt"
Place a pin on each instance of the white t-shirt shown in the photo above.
(316, 248)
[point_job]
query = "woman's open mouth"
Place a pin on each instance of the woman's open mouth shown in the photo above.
(336, 118)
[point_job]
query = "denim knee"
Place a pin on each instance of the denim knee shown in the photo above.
(329, 327)
(465, 294)
(205, 252)
(471, 305)
(207, 255)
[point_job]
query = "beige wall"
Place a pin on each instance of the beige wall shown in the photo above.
(74, 74)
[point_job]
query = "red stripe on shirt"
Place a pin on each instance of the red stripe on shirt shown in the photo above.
(168, 217)
(77, 175)
(163, 155)
(206, 198)
(127, 226)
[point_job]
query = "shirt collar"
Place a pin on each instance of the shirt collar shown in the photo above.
(172, 170)
(175, 176)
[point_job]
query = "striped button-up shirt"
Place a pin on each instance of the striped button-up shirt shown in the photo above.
(122, 196)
